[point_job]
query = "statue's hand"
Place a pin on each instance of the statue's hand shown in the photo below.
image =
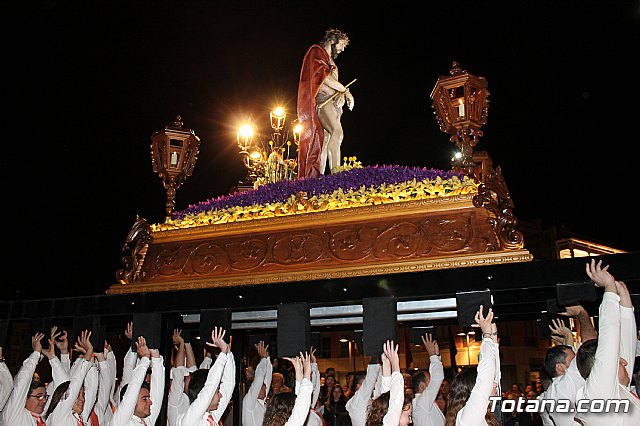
(350, 100)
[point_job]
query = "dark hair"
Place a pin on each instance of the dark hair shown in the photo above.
(144, 385)
(418, 377)
(586, 356)
(379, 407)
(279, 409)
(461, 388)
(358, 378)
(545, 379)
(553, 356)
(342, 396)
(196, 383)
(57, 396)
(35, 384)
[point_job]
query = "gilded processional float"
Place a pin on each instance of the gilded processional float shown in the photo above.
(360, 221)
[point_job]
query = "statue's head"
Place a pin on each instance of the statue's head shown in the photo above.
(335, 36)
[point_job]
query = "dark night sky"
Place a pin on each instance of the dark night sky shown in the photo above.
(86, 83)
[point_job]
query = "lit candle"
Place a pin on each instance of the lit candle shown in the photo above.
(460, 108)
(174, 158)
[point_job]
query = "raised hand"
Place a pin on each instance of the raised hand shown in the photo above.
(142, 348)
(177, 338)
(217, 337)
(572, 311)
(305, 360)
(36, 343)
(62, 342)
(560, 333)
(390, 350)
(431, 345)
(297, 366)
(84, 345)
(486, 324)
(312, 355)
(262, 349)
(50, 352)
(601, 276)
(128, 332)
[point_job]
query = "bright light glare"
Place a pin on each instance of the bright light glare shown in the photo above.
(278, 112)
(246, 131)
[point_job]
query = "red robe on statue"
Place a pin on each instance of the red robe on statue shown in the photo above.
(316, 66)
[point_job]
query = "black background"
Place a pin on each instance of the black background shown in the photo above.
(86, 83)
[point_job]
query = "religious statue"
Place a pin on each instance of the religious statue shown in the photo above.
(321, 97)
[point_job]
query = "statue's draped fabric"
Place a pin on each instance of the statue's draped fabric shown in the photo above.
(316, 66)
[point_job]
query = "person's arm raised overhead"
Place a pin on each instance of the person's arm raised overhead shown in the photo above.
(157, 385)
(601, 382)
(6, 381)
(127, 404)
(587, 331)
(436, 372)
(474, 411)
(396, 387)
(199, 407)
(628, 330)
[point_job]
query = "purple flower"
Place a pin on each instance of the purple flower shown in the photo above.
(279, 192)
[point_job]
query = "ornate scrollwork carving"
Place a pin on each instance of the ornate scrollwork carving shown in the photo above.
(134, 248)
(495, 197)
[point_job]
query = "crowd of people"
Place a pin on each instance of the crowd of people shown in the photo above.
(582, 377)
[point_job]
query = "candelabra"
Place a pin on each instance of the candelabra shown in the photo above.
(270, 161)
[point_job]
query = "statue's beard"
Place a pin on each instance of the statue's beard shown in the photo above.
(334, 51)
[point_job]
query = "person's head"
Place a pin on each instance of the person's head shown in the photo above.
(59, 393)
(461, 388)
(539, 388)
(420, 381)
(586, 358)
(329, 381)
(279, 409)
(528, 388)
(406, 377)
(36, 397)
(441, 402)
(531, 394)
(337, 393)
(445, 387)
(143, 405)
(557, 360)
(338, 40)
(277, 382)
(379, 407)
(356, 382)
(407, 409)
(198, 379)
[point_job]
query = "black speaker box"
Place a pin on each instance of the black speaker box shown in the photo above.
(379, 324)
(91, 323)
(545, 321)
(468, 303)
(149, 326)
(418, 332)
(210, 318)
(294, 329)
(575, 293)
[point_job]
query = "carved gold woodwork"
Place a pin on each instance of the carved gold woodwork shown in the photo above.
(441, 233)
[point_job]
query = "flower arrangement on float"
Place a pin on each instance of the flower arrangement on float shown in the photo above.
(353, 186)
